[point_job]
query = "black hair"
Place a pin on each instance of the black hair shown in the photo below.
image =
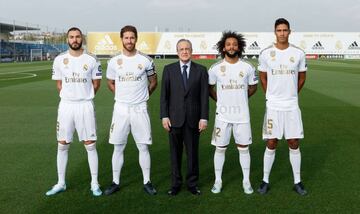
(128, 28)
(74, 29)
(280, 21)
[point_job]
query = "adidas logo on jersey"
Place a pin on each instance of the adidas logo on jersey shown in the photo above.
(143, 46)
(317, 46)
(254, 46)
(106, 44)
(354, 46)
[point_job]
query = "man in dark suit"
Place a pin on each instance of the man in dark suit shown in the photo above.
(184, 110)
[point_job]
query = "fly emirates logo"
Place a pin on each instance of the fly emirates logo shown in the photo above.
(283, 70)
(76, 78)
(233, 84)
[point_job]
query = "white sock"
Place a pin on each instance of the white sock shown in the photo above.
(219, 160)
(295, 160)
(269, 157)
(61, 161)
(144, 161)
(244, 159)
(93, 162)
(117, 161)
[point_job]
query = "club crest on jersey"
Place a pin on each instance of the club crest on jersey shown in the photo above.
(222, 70)
(292, 59)
(66, 61)
(119, 62)
(273, 54)
(241, 74)
(140, 66)
(85, 67)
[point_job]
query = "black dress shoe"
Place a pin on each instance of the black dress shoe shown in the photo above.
(194, 190)
(112, 188)
(173, 191)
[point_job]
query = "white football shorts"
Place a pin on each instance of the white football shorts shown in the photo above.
(282, 123)
(134, 118)
(79, 116)
(222, 133)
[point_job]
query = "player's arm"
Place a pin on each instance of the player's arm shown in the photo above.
(111, 85)
(212, 92)
(301, 80)
(152, 83)
(59, 85)
(96, 84)
(263, 79)
(251, 90)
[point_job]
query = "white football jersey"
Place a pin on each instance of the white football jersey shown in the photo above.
(76, 75)
(131, 77)
(232, 81)
(282, 67)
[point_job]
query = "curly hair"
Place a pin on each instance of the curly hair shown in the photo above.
(231, 34)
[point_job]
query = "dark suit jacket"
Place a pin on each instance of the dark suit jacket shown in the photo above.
(182, 105)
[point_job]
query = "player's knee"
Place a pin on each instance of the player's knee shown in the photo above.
(142, 147)
(62, 142)
(243, 149)
(293, 143)
(90, 147)
(63, 147)
(271, 144)
(119, 147)
(88, 142)
(220, 149)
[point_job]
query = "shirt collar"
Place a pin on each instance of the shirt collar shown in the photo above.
(188, 64)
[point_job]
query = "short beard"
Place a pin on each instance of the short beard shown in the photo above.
(75, 48)
(234, 55)
(129, 50)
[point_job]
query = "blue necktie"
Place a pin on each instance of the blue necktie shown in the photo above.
(184, 75)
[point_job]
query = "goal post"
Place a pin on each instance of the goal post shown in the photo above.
(36, 55)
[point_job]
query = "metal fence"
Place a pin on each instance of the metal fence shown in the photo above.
(22, 41)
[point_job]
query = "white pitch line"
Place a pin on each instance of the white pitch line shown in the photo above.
(22, 71)
(27, 76)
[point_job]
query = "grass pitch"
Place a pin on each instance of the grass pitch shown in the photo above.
(330, 104)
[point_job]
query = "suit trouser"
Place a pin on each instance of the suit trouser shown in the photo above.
(190, 138)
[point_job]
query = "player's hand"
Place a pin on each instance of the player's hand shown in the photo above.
(166, 124)
(202, 125)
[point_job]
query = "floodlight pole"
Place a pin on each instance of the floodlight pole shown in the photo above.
(14, 49)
